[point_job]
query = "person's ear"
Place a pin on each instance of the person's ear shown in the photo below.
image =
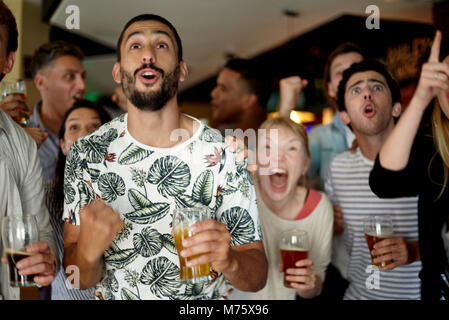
(397, 108)
(250, 99)
(9, 62)
(184, 72)
(330, 91)
(39, 81)
(62, 146)
(306, 166)
(116, 72)
(344, 117)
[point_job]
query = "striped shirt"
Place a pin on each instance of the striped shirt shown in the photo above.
(59, 289)
(347, 185)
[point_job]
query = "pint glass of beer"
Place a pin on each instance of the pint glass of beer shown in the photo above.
(183, 218)
(19, 232)
(294, 245)
(20, 114)
(377, 228)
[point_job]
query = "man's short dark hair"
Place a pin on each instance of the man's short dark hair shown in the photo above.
(49, 52)
(343, 48)
(7, 19)
(254, 76)
(149, 17)
(363, 66)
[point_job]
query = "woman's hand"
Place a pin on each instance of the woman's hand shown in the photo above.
(434, 76)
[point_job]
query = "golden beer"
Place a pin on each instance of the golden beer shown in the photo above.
(199, 273)
(376, 229)
(371, 240)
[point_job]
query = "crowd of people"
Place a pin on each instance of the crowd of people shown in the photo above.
(103, 182)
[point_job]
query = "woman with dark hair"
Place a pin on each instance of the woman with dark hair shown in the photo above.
(82, 118)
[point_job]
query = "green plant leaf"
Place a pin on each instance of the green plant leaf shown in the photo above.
(86, 193)
(162, 276)
(73, 167)
(185, 201)
(111, 186)
(120, 258)
(203, 188)
(218, 203)
(96, 147)
(109, 135)
(211, 135)
(138, 176)
(149, 214)
(69, 194)
(137, 199)
(110, 281)
(133, 154)
(223, 160)
(148, 243)
(128, 295)
(170, 174)
(169, 243)
(195, 289)
(239, 224)
(94, 174)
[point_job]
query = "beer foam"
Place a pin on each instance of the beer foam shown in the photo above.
(290, 248)
(12, 251)
(385, 234)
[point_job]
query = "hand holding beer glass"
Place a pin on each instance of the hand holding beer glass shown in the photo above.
(13, 97)
(294, 246)
(377, 228)
(184, 218)
(18, 233)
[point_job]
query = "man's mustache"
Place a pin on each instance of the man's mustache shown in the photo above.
(149, 65)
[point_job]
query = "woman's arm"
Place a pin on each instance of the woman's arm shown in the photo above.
(395, 152)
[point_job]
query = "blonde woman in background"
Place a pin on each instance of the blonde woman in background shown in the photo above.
(286, 202)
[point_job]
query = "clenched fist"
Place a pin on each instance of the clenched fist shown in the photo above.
(99, 224)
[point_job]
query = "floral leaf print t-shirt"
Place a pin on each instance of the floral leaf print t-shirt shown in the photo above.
(145, 184)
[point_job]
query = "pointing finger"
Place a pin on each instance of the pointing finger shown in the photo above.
(435, 50)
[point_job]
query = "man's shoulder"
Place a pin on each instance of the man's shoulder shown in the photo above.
(345, 159)
(13, 131)
(102, 136)
(210, 135)
(115, 125)
(325, 133)
(207, 138)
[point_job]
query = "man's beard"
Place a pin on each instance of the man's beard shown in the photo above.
(150, 101)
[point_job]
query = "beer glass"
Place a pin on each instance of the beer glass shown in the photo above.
(294, 246)
(18, 232)
(376, 229)
(183, 218)
(20, 114)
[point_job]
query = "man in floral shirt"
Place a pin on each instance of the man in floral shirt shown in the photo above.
(123, 181)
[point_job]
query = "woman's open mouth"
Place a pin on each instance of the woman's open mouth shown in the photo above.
(278, 180)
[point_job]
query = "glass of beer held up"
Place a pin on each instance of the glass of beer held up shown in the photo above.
(183, 218)
(19, 232)
(294, 246)
(377, 228)
(20, 114)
